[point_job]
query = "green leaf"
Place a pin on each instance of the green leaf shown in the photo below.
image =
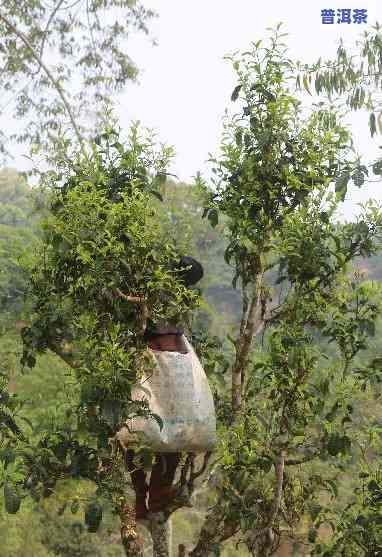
(236, 92)
(377, 168)
(312, 535)
(341, 184)
(324, 217)
(372, 124)
(93, 516)
(75, 506)
(158, 420)
(358, 178)
(306, 86)
(264, 464)
(239, 137)
(156, 194)
(12, 499)
(338, 444)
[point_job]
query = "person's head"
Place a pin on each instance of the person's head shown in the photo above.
(191, 270)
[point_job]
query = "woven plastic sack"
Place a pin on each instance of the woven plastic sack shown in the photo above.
(177, 390)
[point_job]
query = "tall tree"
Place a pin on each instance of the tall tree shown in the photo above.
(289, 407)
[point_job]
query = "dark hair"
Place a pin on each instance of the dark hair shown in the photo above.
(191, 270)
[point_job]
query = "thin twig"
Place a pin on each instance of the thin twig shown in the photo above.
(45, 32)
(129, 298)
(202, 469)
(279, 471)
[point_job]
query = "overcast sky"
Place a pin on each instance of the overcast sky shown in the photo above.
(185, 84)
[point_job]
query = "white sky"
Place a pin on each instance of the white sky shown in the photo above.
(185, 84)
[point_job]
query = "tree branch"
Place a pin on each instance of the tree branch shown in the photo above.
(45, 32)
(252, 324)
(203, 468)
(54, 81)
(65, 351)
(279, 471)
(216, 529)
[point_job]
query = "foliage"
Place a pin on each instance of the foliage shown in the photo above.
(105, 265)
(17, 238)
(300, 421)
(359, 528)
(60, 65)
(292, 399)
(355, 76)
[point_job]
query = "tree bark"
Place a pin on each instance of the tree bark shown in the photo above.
(262, 540)
(160, 529)
(250, 323)
(216, 529)
(132, 543)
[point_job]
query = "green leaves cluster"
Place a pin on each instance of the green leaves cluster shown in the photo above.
(273, 161)
(359, 529)
(106, 265)
(297, 424)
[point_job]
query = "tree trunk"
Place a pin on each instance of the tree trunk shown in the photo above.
(131, 541)
(160, 529)
(249, 324)
(216, 529)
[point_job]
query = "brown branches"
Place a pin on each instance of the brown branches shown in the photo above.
(128, 298)
(144, 309)
(132, 543)
(203, 468)
(250, 325)
(267, 530)
(181, 550)
(216, 529)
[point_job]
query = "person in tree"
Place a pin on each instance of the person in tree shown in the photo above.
(162, 336)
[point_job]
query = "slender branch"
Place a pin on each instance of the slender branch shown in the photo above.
(216, 529)
(57, 7)
(253, 321)
(279, 471)
(128, 298)
(137, 300)
(54, 81)
(202, 469)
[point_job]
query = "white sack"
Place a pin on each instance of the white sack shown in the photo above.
(177, 390)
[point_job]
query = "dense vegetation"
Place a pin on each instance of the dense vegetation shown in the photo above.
(285, 324)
